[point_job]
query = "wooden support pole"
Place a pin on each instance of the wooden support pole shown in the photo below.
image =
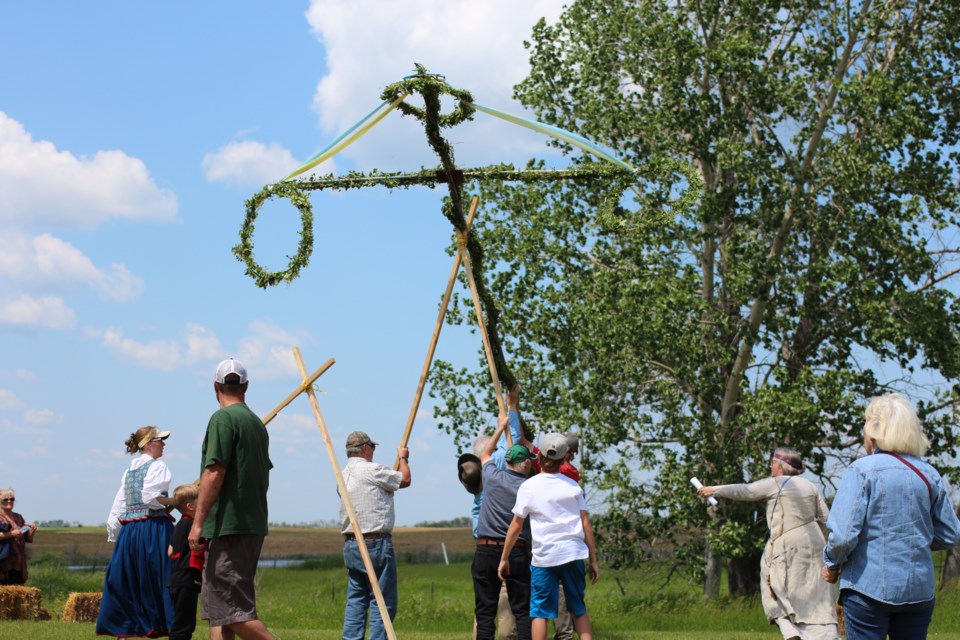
(486, 340)
(457, 260)
(345, 496)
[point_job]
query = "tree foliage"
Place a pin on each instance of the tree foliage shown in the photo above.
(788, 253)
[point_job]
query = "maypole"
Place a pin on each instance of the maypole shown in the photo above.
(610, 176)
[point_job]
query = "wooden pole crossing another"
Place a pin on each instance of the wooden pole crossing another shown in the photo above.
(307, 385)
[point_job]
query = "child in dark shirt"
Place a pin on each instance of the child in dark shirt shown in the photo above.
(184, 584)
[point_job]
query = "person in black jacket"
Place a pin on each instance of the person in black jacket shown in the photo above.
(184, 583)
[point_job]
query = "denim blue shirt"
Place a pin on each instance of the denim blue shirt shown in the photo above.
(883, 529)
(498, 457)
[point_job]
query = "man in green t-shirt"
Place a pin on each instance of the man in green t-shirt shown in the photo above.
(232, 509)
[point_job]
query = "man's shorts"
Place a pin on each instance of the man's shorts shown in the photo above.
(544, 592)
(227, 595)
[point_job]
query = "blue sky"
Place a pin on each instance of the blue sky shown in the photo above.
(130, 136)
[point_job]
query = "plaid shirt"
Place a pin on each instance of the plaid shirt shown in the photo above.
(371, 487)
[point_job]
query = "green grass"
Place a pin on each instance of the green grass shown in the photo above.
(436, 602)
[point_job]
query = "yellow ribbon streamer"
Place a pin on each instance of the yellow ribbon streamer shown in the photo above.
(558, 133)
(346, 142)
(554, 132)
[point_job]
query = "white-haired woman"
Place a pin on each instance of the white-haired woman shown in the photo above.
(793, 595)
(15, 533)
(135, 600)
(890, 512)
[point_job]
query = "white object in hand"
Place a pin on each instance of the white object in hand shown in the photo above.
(698, 484)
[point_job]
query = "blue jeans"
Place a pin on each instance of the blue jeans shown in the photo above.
(869, 619)
(359, 594)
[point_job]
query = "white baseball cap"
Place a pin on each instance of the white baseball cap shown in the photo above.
(230, 366)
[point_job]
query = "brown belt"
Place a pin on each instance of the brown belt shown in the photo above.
(368, 536)
(498, 542)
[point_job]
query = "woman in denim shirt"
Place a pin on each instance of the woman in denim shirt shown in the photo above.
(891, 510)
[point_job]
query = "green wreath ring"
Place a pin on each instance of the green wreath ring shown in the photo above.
(244, 250)
(425, 83)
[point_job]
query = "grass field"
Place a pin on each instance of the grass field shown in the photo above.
(436, 600)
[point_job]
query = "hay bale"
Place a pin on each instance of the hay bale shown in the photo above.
(21, 603)
(840, 625)
(82, 607)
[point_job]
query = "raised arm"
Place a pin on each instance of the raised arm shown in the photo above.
(759, 490)
(513, 409)
(491, 445)
(403, 454)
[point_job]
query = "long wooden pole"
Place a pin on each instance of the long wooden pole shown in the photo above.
(486, 339)
(451, 281)
(345, 496)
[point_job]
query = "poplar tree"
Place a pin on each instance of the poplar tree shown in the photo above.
(789, 251)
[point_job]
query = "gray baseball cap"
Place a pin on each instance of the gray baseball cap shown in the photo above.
(554, 446)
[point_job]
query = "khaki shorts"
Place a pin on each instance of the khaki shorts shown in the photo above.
(228, 595)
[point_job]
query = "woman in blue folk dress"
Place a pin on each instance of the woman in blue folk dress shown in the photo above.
(136, 603)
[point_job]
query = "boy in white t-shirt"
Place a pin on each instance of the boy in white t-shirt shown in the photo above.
(562, 540)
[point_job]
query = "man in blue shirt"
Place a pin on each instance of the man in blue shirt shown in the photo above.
(500, 494)
(468, 468)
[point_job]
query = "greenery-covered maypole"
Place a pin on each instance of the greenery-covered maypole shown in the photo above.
(609, 179)
(431, 87)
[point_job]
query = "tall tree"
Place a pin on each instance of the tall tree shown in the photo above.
(789, 251)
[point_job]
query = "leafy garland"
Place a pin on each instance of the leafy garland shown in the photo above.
(244, 250)
(612, 180)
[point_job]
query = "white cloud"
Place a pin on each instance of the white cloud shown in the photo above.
(47, 262)
(250, 164)
(40, 416)
(44, 311)
(17, 435)
(194, 344)
(164, 355)
(292, 430)
(266, 350)
(477, 46)
(34, 452)
(9, 400)
(41, 185)
(201, 344)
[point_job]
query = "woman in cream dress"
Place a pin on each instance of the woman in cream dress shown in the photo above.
(794, 595)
